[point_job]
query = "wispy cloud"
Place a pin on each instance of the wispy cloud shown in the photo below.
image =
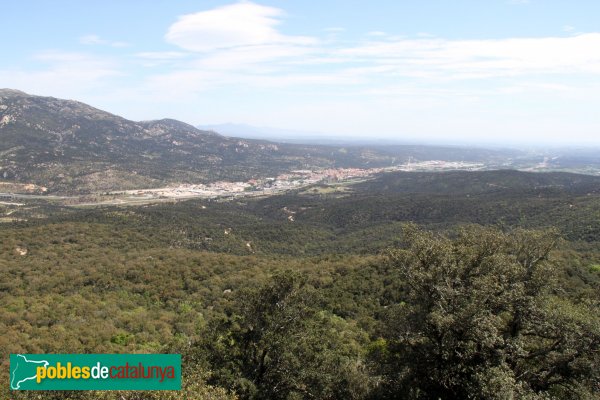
(335, 29)
(162, 55)
(475, 59)
(161, 58)
(89, 40)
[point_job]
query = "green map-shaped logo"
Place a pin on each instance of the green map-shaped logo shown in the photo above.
(95, 372)
(23, 369)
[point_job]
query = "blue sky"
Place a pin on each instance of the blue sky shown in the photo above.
(452, 71)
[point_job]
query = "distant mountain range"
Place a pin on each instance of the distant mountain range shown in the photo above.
(298, 136)
(264, 133)
(67, 146)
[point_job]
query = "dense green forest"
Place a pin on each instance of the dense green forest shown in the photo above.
(450, 285)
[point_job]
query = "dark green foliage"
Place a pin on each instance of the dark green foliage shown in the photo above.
(276, 344)
(501, 182)
(506, 199)
(483, 318)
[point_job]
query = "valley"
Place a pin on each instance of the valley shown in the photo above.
(295, 179)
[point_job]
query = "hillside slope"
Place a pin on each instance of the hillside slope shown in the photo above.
(69, 146)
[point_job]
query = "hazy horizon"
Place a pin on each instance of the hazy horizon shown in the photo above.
(272, 133)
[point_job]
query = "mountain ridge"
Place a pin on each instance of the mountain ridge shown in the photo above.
(67, 146)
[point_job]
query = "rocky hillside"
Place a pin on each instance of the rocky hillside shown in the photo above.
(67, 146)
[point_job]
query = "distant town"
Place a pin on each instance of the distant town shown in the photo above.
(293, 180)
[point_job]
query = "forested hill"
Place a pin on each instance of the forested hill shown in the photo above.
(363, 217)
(463, 182)
(345, 289)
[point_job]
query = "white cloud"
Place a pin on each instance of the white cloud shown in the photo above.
(191, 82)
(267, 57)
(89, 40)
(160, 58)
(547, 88)
(240, 24)
(476, 59)
(243, 39)
(161, 55)
(420, 70)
